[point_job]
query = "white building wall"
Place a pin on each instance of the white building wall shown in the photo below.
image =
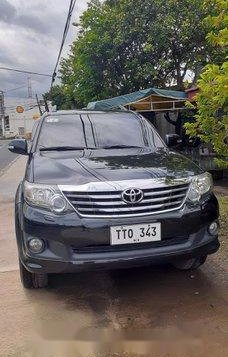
(24, 120)
(21, 122)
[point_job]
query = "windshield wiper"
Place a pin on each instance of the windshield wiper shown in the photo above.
(62, 148)
(121, 147)
(72, 148)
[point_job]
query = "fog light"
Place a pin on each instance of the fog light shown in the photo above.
(36, 245)
(213, 228)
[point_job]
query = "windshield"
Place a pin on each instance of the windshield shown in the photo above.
(106, 130)
(65, 130)
(118, 129)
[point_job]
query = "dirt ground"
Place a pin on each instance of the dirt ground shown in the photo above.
(155, 311)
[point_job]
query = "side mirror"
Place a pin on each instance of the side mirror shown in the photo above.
(18, 146)
(172, 140)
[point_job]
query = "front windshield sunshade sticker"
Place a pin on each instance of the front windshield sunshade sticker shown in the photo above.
(52, 120)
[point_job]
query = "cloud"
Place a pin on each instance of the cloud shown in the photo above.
(30, 37)
(33, 23)
(7, 11)
(37, 18)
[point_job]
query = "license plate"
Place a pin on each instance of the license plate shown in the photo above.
(140, 233)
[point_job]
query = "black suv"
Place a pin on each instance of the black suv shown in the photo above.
(102, 190)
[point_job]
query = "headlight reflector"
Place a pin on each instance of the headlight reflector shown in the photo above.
(47, 197)
(58, 203)
(200, 185)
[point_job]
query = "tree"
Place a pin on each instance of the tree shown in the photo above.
(60, 97)
(211, 123)
(127, 45)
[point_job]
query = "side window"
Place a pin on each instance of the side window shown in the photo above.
(158, 141)
(153, 136)
(35, 131)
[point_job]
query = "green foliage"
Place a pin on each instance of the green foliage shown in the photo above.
(211, 123)
(60, 97)
(127, 45)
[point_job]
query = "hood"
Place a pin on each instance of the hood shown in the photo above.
(82, 167)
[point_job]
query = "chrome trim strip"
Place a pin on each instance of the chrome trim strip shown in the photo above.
(113, 186)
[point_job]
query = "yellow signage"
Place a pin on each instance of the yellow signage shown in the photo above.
(36, 116)
(19, 109)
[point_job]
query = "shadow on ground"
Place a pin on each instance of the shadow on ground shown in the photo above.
(137, 304)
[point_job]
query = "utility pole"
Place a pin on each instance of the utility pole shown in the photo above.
(38, 103)
(45, 104)
(2, 114)
(29, 87)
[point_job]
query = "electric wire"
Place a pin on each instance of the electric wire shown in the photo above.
(22, 71)
(65, 32)
(13, 89)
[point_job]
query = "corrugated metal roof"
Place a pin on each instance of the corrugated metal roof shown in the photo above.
(134, 97)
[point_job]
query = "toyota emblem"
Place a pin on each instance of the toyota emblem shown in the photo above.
(132, 195)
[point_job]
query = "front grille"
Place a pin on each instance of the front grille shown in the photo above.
(110, 203)
(107, 248)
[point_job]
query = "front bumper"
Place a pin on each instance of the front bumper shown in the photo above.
(126, 259)
(68, 238)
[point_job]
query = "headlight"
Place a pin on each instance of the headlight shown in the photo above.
(200, 185)
(47, 197)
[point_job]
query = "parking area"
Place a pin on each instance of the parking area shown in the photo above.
(153, 311)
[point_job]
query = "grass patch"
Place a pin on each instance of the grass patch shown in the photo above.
(223, 204)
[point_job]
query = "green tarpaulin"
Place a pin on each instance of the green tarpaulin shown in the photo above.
(131, 98)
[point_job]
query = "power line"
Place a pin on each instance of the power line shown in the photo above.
(24, 105)
(13, 89)
(22, 71)
(65, 32)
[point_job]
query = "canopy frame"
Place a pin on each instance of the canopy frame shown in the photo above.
(147, 100)
(157, 105)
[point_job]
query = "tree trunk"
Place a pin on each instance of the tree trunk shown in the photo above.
(180, 84)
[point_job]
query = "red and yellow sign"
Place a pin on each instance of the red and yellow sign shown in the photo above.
(19, 109)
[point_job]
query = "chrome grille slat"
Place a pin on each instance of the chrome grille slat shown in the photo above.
(109, 203)
(95, 197)
(133, 208)
(163, 192)
(87, 196)
(119, 203)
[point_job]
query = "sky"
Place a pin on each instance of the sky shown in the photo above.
(30, 37)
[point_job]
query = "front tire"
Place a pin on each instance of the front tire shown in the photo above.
(32, 280)
(189, 264)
